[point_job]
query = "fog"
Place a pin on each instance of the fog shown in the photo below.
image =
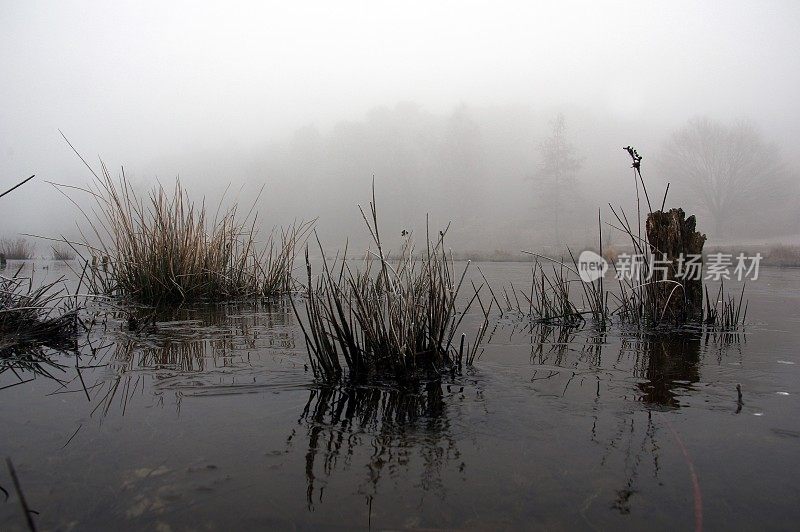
(449, 105)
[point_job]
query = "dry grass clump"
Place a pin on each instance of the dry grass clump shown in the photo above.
(394, 319)
(63, 253)
(165, 249)
(16, 248)
(782, 255)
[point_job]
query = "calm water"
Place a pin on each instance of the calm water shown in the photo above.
(212, 421)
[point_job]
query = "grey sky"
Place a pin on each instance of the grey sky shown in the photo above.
(139, 82)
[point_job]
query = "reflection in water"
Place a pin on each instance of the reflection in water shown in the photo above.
(554, 346)
(216, 350)
(369, 439)
(666, 362)
(23, 362)
(389, 428)
(634, 445)
(670, 367)
(19, 365)
(666, 365)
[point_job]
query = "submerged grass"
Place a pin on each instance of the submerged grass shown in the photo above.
(394, 319)
(550, 298)
(35, 316)
(726, 312)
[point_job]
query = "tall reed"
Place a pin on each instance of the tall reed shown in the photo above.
(393, 318)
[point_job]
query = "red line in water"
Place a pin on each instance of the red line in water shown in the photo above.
(698, 496)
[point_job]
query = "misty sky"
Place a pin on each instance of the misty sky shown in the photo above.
(150, 84)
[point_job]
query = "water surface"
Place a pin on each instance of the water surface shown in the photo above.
(213, 420)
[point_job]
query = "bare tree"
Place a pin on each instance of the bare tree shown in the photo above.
(556, 176)
(728, 168)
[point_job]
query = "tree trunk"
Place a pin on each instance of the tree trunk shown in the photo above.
(673, 237)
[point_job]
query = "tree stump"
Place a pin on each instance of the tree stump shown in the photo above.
(673, 239)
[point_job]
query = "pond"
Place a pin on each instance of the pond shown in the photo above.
(212, 419)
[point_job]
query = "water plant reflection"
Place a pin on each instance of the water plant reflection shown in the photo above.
(396, 430)
(213, 350)
(666, 363)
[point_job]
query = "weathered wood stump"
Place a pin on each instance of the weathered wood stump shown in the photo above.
(674, 239)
